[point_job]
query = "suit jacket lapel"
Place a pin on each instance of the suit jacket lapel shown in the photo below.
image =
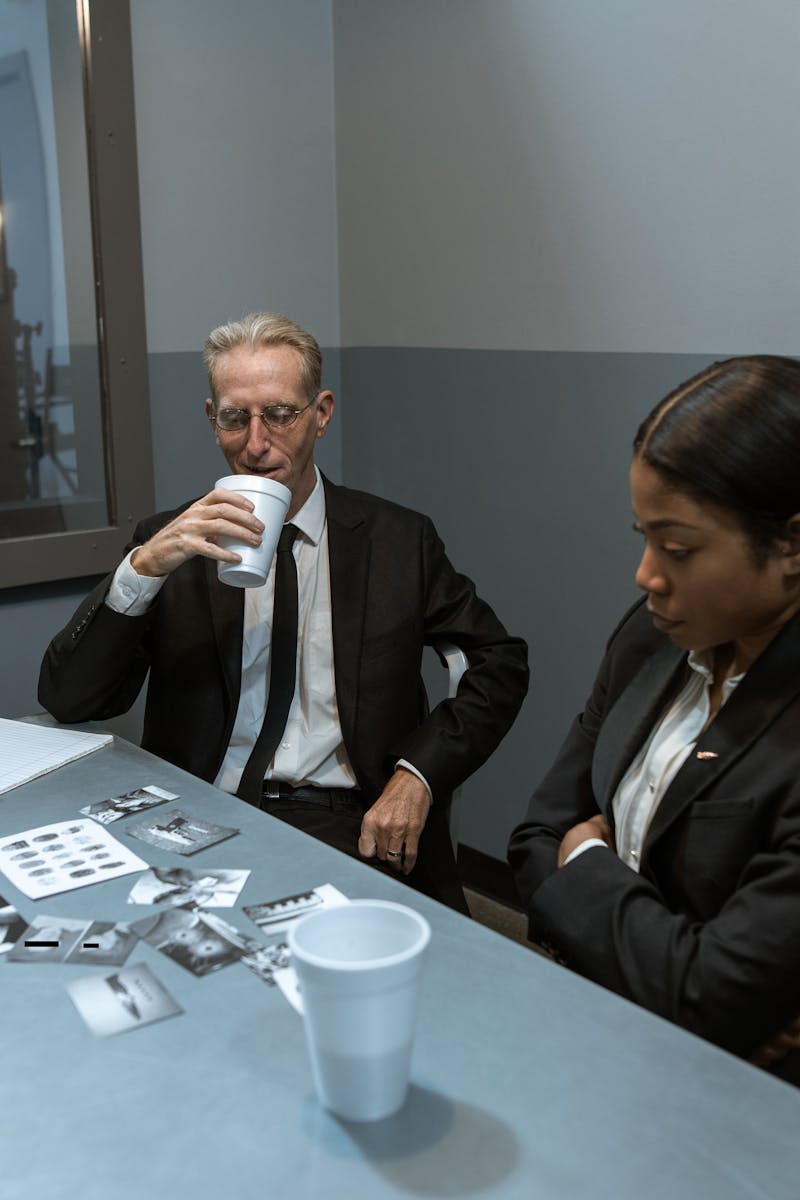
(227, 619)
(630, 720)
(771, 683)
(349, 553)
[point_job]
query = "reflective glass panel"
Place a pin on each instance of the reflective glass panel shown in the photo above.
(52, 463)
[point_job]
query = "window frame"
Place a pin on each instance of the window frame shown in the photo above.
(106, 56)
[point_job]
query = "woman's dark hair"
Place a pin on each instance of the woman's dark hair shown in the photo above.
(731, 435)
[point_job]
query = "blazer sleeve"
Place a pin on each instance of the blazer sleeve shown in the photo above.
(731, 978)
(459, 734)
(95, 666)
(565, 796)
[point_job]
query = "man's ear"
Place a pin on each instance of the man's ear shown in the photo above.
(209, 414)
(325, 407)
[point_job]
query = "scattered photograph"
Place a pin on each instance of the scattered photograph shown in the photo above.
(125, 1000)
(274, 916)
(12, 926)
(103, 944)
(265, 961)
(199, 941)
(62, 857)
(181, 832)
(47, 939)
(286, 979)
(180, 886)
(116, 807)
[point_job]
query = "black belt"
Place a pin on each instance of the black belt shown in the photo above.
(277, 789)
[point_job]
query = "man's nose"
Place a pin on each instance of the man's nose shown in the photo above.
(259, 437)
(649, 576)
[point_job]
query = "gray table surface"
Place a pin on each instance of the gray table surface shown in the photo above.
(527, 1080)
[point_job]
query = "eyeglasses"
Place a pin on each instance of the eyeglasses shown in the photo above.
(274, 416)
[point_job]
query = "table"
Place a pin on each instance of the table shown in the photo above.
(527, 1080)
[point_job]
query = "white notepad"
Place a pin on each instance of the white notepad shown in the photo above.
(28, 751)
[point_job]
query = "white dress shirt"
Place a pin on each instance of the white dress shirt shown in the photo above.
(311, 751)
(663, 754)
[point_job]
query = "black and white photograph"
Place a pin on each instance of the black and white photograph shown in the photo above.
(12, 926)
(48, 939)
(180, 831)
(103, 944)
(116, 807)
(274, 916)
(198, 941)
(58, 858)
(265, 961)
(182, 887)
(125, 1000)
(286, 979)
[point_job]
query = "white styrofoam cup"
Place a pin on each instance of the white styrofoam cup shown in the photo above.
(358, 967)
(270, 501)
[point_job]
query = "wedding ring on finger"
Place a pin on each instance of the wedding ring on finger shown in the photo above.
(394, 853)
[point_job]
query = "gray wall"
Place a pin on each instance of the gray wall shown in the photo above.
(522, 221)
(549, 214)
(234, 113)
(522, 459)
(542, 175)
(186, 463)
(236, 170)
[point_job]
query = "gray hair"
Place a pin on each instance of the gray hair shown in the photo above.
(265, 329)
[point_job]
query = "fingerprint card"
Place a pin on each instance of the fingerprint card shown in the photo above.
(62, 857)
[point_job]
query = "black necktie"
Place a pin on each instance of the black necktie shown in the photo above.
(283, 668)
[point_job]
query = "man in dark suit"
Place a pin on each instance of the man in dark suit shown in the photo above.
(361, 763)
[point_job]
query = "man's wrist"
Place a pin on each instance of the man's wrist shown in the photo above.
(130, 593)
(407, 766)
(138, 562)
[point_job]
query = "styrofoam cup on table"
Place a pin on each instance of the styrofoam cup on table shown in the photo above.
(358, 967)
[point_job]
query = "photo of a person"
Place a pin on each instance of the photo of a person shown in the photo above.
(195, 940)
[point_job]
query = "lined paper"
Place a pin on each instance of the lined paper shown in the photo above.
(28, 751)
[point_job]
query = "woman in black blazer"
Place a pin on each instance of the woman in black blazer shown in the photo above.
(660, 856)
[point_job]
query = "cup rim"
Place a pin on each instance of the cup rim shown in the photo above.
(343, 965)
(258, 483)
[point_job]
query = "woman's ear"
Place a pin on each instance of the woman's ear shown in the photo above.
(789, 545)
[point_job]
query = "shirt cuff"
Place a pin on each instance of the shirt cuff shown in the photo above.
(402, 762)
(587, 845)
(132, 594)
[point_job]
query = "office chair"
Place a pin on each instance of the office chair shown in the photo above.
(455, 662)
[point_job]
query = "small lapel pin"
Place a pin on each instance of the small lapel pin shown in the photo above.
(706, 754)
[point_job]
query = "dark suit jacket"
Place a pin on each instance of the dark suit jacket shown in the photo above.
(708, 934)
(392, 591)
